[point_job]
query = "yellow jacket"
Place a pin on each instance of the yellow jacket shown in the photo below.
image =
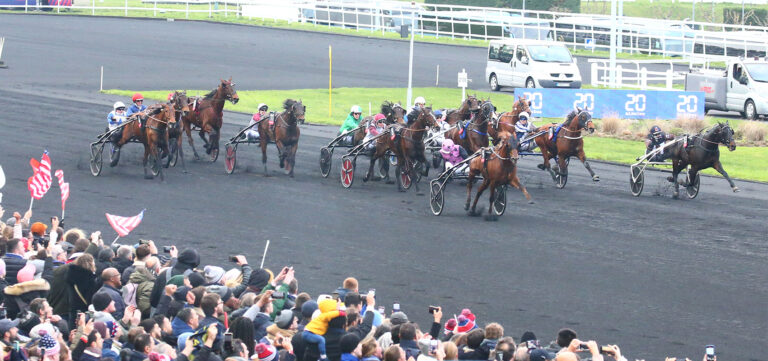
(328, 311)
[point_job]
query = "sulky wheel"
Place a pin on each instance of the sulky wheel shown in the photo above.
(403, 179)
(230, 157)
(96, 159)
(561, 180)
(214, 154)
(692, 188)
(173, 155)
(392, 160)
(636, 181)
(155, 164)
(436, 197)
(347, 171)
(500, 200)
(325, 161)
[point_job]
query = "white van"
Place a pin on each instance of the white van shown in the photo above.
(524, 63)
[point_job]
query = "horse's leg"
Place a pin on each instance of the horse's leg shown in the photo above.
(188, 130)
(719, 168)
(377, 153)
(515, 182)
(292, 157)
(470, 181)
(146, 156)
(676, 168)
(281, 154)
(263, 142)
(490, 199)
(181, 152)
(583, 159)
(480, 189)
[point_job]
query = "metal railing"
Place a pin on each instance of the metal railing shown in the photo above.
(633, 73)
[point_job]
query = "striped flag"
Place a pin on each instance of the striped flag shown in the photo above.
(40, 182)
(64, 187)
(124, 225)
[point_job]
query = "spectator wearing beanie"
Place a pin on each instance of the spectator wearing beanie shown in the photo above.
(185, 264)
(104, 307)
(214, 276)
(472, 350)
(348, 344)
(110, 279)
(81, 280)
(14, 260)
(51, 347)
(265, 352)
(26, 290)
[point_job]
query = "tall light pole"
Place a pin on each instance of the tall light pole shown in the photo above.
(410, 56)
(612, 58)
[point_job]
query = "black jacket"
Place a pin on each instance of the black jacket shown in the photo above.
(82, 286)
(18, 296)
(58, 296)
(13, 263)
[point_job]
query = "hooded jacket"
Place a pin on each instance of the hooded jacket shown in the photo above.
(187, 261)
(18, 296)
(143, 281)
(58, 297)
(82, 286)
(328, 311)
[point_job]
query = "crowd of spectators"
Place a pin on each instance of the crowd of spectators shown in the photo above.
(69, 296)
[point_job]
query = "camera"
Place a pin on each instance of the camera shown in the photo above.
(233, 259)
(534, 344)
(167, 249)
(605, 350)
(228, 342)
(396, 307)
(433, 309)
(583, 347)
(710, 352)
(279, 295)
(143, 241)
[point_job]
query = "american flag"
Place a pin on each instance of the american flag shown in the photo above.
(40, 182)
(124, 225)
(64, 187)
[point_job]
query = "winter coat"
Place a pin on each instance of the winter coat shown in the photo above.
(82, 287)
(332, 343)
(90, 355)
(187, 261)
(18, 296)
(13, 263)
(58, 297)
(328, 311)
(140, 285)
(115, 295)
(180, 327)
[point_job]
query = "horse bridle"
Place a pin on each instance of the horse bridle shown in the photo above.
(581, 126)
(293, 116)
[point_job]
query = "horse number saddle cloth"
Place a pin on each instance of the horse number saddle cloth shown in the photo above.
(271, 123)
(553, 135)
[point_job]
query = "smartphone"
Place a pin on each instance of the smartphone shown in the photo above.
(432, 309)
(396, 307)
(167, 249)
(710, 351)
(143, 241)
(372, 292)
(583, 347)
(432, 346)
(534, 344)
(280, 295)
(382, 310)
(335, 295)
(605, 350)
(233, 259)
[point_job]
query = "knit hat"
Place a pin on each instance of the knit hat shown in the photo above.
(541, 354)
(213, 274)
(177, 280)
(27, 273)
(38, 228)
(181, 294)
(189, 257)
(465, 324)
(265, 352)
(101, 301)
(398, 318)
(42, 328)
(466, 312)
(308, 308)
(284, 319)
(2, 267)
(50, 344)
(101, 327)
(527, 336)
(223, 291)
(196, 279)
(450, 325)
(112, 328)
(154, 356)
(259, 278)
(349, 342)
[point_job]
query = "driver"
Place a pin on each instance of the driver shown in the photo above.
(374, 128)
(418, 105)
(117, 116)
(452, 153)
(351, 123)
(137, 106)
(253, 133)
(655, 139)
(522, 128)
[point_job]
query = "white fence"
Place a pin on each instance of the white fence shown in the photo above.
(637, 35)
(633, 73)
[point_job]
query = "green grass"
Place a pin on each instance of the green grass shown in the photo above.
(739, 164)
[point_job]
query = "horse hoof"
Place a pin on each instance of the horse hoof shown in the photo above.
(675, 195)
(596, 178)
(670, 179)
(541, 166)
(736, 190)
(148, 176)
(197, 157)
(531, 202)
(491, 218)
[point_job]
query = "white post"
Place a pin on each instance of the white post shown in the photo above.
(210, 10)
(619, 74)
(154, 9)
(126, 7)
(643, 78)
(93, 7)
(226, 9)
(594, 80)
(670, 74)
(101, 79)
(409, 93)
(612, 58)
(187, 16)
(264, 256)
(26, 5)
(437, 74)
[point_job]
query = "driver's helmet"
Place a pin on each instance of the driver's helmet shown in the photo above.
(137, 97)
(420, 100)
(379, 117)
(656, 132)
(118, 105)
(438, 113)
(523, 116)
(263, 107)
(356, 109)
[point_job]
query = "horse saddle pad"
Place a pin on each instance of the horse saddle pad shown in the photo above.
(553, 136)
(463, 130)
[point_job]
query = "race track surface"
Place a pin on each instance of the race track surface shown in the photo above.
(658, 276)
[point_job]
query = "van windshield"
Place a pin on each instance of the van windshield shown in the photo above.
(550, 53)
(759, 72)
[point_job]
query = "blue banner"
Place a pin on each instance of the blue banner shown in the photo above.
(625, 104)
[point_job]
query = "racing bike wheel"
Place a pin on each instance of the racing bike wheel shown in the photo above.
(325, 161)
(403, 179)
(347, 171)
(636, 181)
(230, 158)
(96, 159)
(692, 188)
(500, 200)
(436, 197)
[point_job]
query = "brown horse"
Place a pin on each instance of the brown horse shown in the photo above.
(566, 143)
(153, 135)
(702, 152)
(468, 106)
(497, 169)
(507, 120)
(407, 144)
(476, 136)
(284, 132)
(207, 114)
(394, 112)
(179, 102)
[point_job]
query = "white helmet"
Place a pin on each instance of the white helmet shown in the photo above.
(524, 115)
(420, 100)
(262, 105)
(356, 109)
(118, 105)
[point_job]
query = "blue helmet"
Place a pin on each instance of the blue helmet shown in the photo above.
(438, 113)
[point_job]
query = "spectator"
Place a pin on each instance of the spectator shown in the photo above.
(472, 350)
(138, 290)
(123, 258)
(242, 329)
(141, 255)
(81, 279)
(451, 351)
(408, 341)
(9, 331)
(185, 264)
(110, 278)
(186, 320)
(19, 295)
(370, 350)
(46, 319)
(90, 350)
(349, 285)
(349, 347)
(104, 306)
(14, 260)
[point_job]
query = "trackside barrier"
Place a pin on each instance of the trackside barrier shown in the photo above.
(2, 43)
(625, 104)
(632, 73)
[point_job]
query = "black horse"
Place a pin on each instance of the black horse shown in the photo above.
(702, 152)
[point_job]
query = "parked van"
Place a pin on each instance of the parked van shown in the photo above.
(523, 63)
(742, 87)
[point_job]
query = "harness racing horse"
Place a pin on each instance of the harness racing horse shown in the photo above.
(702, 152)
(468, 107)
(565, 142)
(152, 135)
(179, 102)
(207, 114)
(475, 135)
(394, 112)
(408, 146)
(284, 133)
(507, 120)
(498, 169)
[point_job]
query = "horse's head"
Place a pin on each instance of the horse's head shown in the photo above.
(472, 103)
(488, 112)
(180, 102)
(725, 135)
(521, 105)
(295, 108)
(582, 119)
(398, 113)
(227, 87)
(169, 113)
(508, 145)
(426, 117)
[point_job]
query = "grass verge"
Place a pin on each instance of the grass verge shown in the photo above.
(739, 164)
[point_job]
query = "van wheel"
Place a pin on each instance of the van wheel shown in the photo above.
(749, 110)
(494, 82)
(529, 83)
